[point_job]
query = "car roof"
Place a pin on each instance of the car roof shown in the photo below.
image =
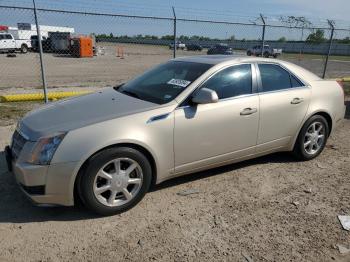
(219, 59)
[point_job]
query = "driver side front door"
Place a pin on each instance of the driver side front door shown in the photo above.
(210, 134)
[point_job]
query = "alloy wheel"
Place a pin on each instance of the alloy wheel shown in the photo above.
(118, 182)
(314, 138)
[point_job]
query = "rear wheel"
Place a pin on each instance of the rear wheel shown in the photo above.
(115, 180)
(312, 138)
(24, 48)
(249, 53)
(266, 54)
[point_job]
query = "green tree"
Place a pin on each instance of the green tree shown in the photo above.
(167, 37)
(346, 40)
(232, 38)
(282, 39)
(183, 38)
(316, 37)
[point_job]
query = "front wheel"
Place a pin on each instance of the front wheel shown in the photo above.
(115, 180)
(312, 138)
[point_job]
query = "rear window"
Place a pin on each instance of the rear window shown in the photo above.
(274, 77)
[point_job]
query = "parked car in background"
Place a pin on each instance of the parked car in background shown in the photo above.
(179, 45)
(267, 52)
(9, 44)
(194, 47)
(186, 115)
(220, 49)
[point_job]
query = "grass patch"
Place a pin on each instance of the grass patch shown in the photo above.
(10, 113)
(347, 88)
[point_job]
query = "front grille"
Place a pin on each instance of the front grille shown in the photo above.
(18, 142)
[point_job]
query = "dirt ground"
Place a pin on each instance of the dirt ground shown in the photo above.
(269, 209)
(23, 72)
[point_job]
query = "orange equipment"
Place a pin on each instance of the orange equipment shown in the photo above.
(81, 46)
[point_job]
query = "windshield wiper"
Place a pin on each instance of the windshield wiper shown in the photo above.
(130, 93)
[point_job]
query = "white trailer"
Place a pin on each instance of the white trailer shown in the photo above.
(44, 29)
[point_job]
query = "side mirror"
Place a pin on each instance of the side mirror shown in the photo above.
(205, 96)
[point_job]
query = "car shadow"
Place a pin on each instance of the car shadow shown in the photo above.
(16, 208)
(281, 157)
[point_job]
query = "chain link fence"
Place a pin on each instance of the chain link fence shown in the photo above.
(86, 49)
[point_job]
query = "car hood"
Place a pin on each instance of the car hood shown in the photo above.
(73, 113)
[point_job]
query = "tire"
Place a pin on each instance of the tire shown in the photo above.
(275, 56)
(312, 150)
(24, 49)
(92, 182)
(249, 53)
(266, 54)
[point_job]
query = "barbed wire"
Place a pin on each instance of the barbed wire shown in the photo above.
(155, 9)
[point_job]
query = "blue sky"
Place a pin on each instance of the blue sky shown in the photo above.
(317, 9)
(227, 10)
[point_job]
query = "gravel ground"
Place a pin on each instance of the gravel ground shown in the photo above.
(268, 209)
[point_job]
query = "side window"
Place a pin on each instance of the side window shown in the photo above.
(274, 77)
(232, 81)
(8, 37)
(1, 37)
(295, 82)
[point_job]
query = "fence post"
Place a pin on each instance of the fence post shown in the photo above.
(174, 14)
(43, 78)
(329, 48)
(263, 35)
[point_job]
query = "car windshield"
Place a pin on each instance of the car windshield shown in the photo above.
(163, 83)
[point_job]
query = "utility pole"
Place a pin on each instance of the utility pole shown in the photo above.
(263, 35)
(43, 78)
(174, 14)
(331, 24)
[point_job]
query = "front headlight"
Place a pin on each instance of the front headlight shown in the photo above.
(45, 149)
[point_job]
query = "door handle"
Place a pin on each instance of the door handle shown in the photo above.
(248, 111)
(296, 100)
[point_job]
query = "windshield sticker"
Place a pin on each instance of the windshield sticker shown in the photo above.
(179, 82)
(167, 96)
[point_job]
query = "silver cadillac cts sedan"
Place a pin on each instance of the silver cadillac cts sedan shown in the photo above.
(183, 116)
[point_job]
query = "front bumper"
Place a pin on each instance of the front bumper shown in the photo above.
(51, 184)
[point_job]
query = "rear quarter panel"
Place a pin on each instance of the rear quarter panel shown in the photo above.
(327, 96)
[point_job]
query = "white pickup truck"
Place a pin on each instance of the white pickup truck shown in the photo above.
(179, 45)
(9, 44)
(268, 51)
